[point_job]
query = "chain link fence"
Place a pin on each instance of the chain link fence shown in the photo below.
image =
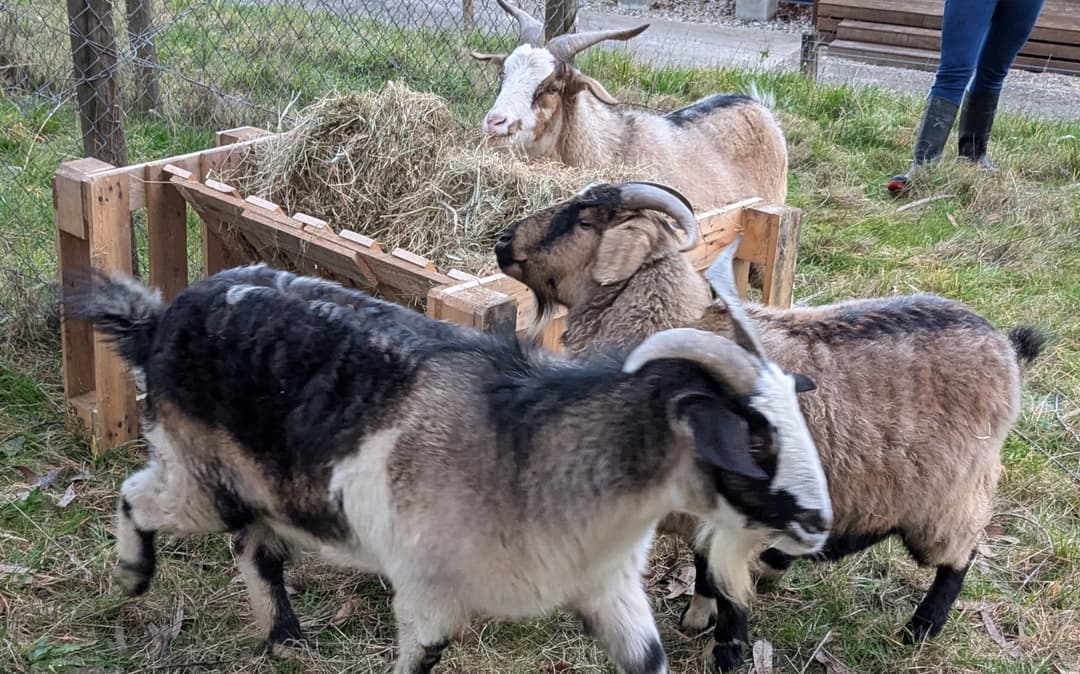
(131, 80)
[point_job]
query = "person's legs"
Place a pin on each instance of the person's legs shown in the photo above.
(964, 27)
(1011, 27)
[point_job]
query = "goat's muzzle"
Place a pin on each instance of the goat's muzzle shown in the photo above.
(504, 250)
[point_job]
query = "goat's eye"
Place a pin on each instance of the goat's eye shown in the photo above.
(552, 90)
(584, 224)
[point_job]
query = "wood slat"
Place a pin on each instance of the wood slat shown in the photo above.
(888, 34)
(1059, 21)
(925, 59)
(110, 250)
(166, 226)
(364, 263)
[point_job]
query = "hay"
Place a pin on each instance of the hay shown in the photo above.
(394, 164)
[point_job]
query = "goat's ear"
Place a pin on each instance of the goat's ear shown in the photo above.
(580, 82)
(623, 249)
(721, 437)
(496, 59)
(803, 383)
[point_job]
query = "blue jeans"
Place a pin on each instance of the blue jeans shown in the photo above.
(981, 37)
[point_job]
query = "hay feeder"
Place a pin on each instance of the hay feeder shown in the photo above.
(93, 202)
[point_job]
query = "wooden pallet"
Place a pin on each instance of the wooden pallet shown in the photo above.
(908, 34)
(93, 203)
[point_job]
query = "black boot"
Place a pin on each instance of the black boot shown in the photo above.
(976, 120)
(936, 124)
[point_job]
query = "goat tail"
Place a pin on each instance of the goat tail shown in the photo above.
(766, 98)
(1028, 342)
(122, 309)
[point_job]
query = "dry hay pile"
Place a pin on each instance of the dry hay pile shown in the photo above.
(393, 164)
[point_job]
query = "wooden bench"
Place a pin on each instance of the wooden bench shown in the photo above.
(908, 34)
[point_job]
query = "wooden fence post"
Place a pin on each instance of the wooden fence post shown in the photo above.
(781, 226)
(559, 17)
(140, 25)
(93, 55)
(94, 230)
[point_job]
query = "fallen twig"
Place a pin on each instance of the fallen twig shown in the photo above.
(923, 202)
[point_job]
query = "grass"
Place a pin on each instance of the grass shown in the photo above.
(1005, 243)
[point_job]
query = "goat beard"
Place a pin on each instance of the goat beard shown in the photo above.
(543, 311)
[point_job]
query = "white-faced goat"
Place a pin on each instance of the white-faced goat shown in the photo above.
(914, 395)
(476, 474)
(718, 150)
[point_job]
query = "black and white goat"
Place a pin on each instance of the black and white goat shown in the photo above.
(476, 474)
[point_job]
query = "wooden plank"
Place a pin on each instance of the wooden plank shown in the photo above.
(719, 227)
(413, 258)
(166, 225)
(888, 34)
(930, 39)
(264, 203)
(220, 186)
(1057, 52)
(1058, 22)
(924, 59)
(781, 226)
(240, 134)
(68, 202)
(475, 306)
(110, 250)
(309, 221)
(921, 59)
(882, 11)
(365, 241)
(218, 254)
(406, 279)
(227, 154)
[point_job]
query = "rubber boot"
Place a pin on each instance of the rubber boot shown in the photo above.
(976, 120)
(937, 122)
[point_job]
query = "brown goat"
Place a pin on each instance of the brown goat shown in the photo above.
(610, 263)
(915, 396)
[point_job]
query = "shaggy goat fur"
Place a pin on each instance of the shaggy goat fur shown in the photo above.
(915, 396)
(478, 475)
(720, 149)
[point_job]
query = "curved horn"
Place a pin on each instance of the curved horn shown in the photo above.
(653, 196)
(565, 47)
(721, 276)
(530, 30)
(717, 354)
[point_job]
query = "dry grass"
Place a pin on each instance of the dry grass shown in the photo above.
(395, 165)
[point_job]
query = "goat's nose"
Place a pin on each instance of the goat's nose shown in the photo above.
(503, 254)
(814, 521)
(494, 121)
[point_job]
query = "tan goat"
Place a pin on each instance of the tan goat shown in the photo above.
(718, 150)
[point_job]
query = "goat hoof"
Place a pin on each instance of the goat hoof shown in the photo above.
(698, 616)
(288, 647)
(918, 629)
(726, 657)
(133, 577)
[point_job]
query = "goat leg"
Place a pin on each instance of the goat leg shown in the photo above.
(700, 614)
(724, 651)
(261, 556)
